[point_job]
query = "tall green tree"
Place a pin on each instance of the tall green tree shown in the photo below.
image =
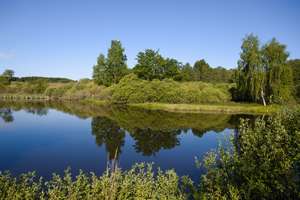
(263, 74)
(6, 77)
(295, 65)
(99, 71)
(202, 70)
(8, 73)
(116, 61)
(149, 65)
(187, 73)
(110, 70)
(250, 77)
(171, 68)
(279, 79)
(221, 75)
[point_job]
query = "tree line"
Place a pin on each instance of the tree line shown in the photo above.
(152, 65)
(263, 75)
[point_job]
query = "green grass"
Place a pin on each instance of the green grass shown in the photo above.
(95, 102)
(212, 108)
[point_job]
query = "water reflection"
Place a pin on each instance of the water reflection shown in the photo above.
(124, 135)
(148, 142)
(108, 133)
(37, 111)
(151, 130)
(6, 115)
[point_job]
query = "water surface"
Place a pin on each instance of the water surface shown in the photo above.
(49, 137)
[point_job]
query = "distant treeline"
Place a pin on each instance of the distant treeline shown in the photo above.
(40, 78)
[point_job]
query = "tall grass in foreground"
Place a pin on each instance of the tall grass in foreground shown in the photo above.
(137, 183)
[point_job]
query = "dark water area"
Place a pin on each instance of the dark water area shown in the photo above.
(50, 137)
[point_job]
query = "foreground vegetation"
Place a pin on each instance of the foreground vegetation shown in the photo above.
(137, 183)
(262, 163)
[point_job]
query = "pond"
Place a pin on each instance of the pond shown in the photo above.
(49, 137)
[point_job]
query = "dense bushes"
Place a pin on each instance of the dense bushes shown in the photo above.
(72, 90)
(129, 90)
(134, 90)
(136, 183)
(264, 163)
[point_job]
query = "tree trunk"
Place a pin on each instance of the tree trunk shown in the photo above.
(262, 97)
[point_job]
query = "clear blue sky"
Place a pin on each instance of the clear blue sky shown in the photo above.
(63, 38)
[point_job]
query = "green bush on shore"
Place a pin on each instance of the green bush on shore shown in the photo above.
(131, 89)
(72, 90)
(263, 164)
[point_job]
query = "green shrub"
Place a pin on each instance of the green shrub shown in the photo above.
(4, 80)
(131, 89)
(263, 164)
(58, 91)
(136, 183)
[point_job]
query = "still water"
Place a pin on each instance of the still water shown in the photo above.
(50, 137)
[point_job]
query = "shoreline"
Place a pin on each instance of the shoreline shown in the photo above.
(227, 108)
(230, 108)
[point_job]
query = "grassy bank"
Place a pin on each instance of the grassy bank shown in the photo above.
(129, 90)
(79, 90)
(167, 95)
(211, 108)
(229, 108)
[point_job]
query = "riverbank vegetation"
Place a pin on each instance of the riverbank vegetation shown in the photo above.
(264, 76)
(261, 163)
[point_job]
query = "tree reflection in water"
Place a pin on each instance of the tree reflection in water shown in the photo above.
(108, 133)
(6, 115)
(151, 130)
(149, 142)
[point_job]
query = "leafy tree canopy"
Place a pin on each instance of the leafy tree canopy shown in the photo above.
(110, 70)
